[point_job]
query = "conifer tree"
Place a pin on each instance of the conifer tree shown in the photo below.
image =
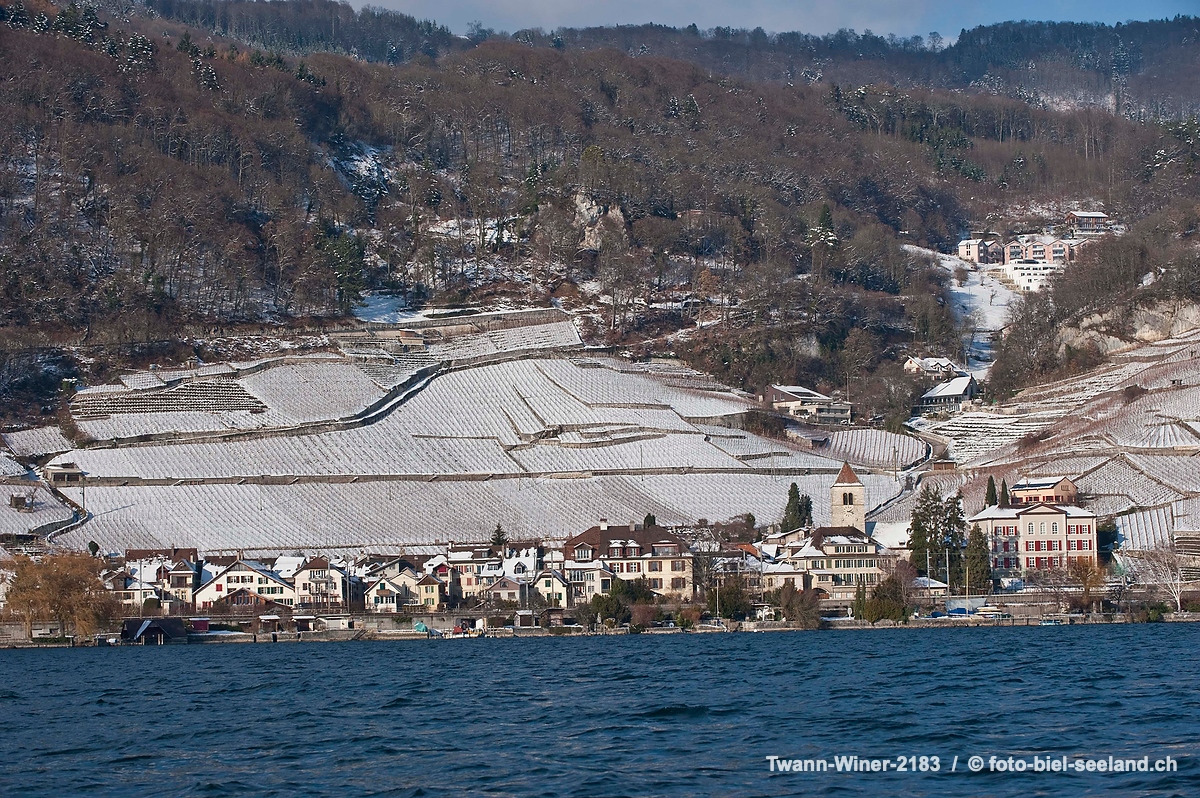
(978, 562)
(860, 601)
(954, 538)
(924, 530)
(1004, 499)
(806, 510)
(991, 499)
(791, 513)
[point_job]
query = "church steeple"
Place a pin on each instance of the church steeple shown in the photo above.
(848, 500)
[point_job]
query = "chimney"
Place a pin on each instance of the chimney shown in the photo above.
(632, 526)
(603, 524)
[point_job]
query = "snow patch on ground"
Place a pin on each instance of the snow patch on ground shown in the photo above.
(385, 309)
(982, 298)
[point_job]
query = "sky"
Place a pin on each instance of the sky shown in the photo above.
(903, 18)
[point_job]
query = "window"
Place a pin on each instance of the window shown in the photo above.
(655, 584)
(1042, 527)
(678, 565)
(1054, 526)
(1031, 527)
(655, 565)
(635, 567)
(678, 583)
(847, 499)
(547, 583)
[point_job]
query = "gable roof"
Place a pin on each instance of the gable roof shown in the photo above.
(250, 565)
(801, 393)
(847, 476)
(1039, 484)
(955, 387)
(646, 538)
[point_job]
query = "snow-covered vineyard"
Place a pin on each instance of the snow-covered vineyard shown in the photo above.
(1127, 434)
(1146, 399)
(401, 514)
(515, 425)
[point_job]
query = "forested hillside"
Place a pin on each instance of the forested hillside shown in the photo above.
(156, 176)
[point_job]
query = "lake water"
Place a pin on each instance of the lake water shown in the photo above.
(678, 715)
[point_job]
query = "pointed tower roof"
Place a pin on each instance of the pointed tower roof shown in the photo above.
(847, 476)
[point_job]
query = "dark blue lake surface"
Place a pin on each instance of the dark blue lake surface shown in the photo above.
(676, 715)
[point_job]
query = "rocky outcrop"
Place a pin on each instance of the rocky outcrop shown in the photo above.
(1118, 330)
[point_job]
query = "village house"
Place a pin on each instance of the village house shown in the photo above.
(474, 567)
(130, 591)
(555, 589)
(834, 560)
(1036, 537)
(321, 585)
(586, 579)
(1042, 249)
(1031, 275)
(506, 590)
(248, 575)
(807, 404)
(980, 250)
(432, 592)
(392, 594)
(934, 367)
(1060, 490)
(632, 552)
(1088, 222)
(950, 395)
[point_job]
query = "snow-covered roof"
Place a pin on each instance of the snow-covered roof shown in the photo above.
(800, 392)
(1088, 214)
(995, 513)
(1037, 484)
(955, 387)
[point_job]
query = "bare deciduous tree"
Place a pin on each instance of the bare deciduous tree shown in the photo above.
(1161, 568)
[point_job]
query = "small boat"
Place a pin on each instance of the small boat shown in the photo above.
(1050, 622)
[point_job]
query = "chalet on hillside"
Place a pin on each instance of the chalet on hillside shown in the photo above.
(1060, 490)
(807, 403)
(949, 395)
(1088, 222)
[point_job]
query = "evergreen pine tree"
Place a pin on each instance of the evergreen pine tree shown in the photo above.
(649, 521)
(1004, 500)
(954, 531)
(860, 601)
(499, 537)
(978, 562)
(806, 508)
(991, 499)
(791, 513)
(924, 531)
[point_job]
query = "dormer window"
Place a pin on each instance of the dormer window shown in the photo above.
(583, 553)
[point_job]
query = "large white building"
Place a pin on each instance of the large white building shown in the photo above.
(1037, 537)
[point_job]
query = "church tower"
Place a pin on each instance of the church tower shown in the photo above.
(848, 500)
